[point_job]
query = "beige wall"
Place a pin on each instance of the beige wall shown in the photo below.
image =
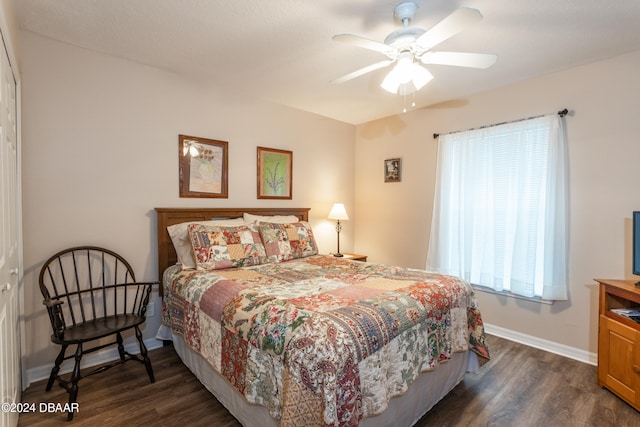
(100, 151)
(393, 219)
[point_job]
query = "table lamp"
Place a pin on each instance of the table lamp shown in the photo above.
(338, 213)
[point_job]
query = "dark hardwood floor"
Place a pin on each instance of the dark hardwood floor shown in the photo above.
(520, 386)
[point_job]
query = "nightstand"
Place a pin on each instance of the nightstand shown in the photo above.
(354, 257)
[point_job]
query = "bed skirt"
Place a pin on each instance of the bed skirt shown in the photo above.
(404, 410)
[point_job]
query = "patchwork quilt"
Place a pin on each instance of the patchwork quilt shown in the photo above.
(322, 340)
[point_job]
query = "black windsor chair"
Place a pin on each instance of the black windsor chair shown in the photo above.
(91, 294)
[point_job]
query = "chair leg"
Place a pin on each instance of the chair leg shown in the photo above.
(56, 367)
(120, 346)
(145, 356)
(75, 377)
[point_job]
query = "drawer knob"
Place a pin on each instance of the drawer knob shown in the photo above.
(636, 369)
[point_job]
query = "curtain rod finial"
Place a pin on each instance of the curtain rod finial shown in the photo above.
(436, 135)
(563, 113)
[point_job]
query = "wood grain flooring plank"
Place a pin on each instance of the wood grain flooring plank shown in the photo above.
(523, 386)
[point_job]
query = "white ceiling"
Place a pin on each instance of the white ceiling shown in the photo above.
(282, 51)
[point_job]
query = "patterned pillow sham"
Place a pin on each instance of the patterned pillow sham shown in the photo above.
(179, 234)
(219, 247)
(284, 242)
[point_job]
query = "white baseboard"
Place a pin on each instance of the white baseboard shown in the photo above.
(542, 344)
(99, 357)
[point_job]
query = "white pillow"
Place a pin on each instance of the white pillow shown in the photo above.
(279, 219)
(179, 234)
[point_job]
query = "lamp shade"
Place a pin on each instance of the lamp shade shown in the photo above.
(338, 212)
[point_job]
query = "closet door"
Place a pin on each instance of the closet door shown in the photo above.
(9, 267)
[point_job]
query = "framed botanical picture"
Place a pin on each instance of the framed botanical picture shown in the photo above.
(274, 173)
(392, 170)
(203, 167)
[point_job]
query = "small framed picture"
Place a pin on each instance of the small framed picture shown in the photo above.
(203, 167)
(392, 170)
(274, 173)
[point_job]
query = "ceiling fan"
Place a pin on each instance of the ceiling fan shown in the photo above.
(409, 47)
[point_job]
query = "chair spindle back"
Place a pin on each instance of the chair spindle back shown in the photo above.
(89, 281)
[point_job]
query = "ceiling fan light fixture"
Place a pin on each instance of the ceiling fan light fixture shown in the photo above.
(421, 76)
(404, 67)
(406, 71)
(391, 83)
(401, 73)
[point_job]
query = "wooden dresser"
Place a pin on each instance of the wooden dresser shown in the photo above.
(619, 340)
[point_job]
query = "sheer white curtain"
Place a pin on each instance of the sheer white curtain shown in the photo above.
(501, 206)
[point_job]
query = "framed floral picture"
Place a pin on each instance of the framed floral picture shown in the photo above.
(392, 170)
(203, 167)
(274, 173)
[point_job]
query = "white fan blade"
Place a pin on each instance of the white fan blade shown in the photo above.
(449, 27)
(363, 71)
(459, 59)
(365, 43)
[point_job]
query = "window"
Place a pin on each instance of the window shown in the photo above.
(500, 208)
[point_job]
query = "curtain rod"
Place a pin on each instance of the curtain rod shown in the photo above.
(561, 113)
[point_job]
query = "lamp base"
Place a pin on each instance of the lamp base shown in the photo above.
(338, 254)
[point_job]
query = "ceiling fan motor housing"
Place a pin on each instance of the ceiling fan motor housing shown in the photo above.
(403, 38)
(406, 11)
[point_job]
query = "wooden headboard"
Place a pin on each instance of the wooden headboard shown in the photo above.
(170, 216)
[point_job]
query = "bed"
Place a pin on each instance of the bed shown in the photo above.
(283, 335)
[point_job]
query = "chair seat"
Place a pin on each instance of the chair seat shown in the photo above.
(98, 328)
